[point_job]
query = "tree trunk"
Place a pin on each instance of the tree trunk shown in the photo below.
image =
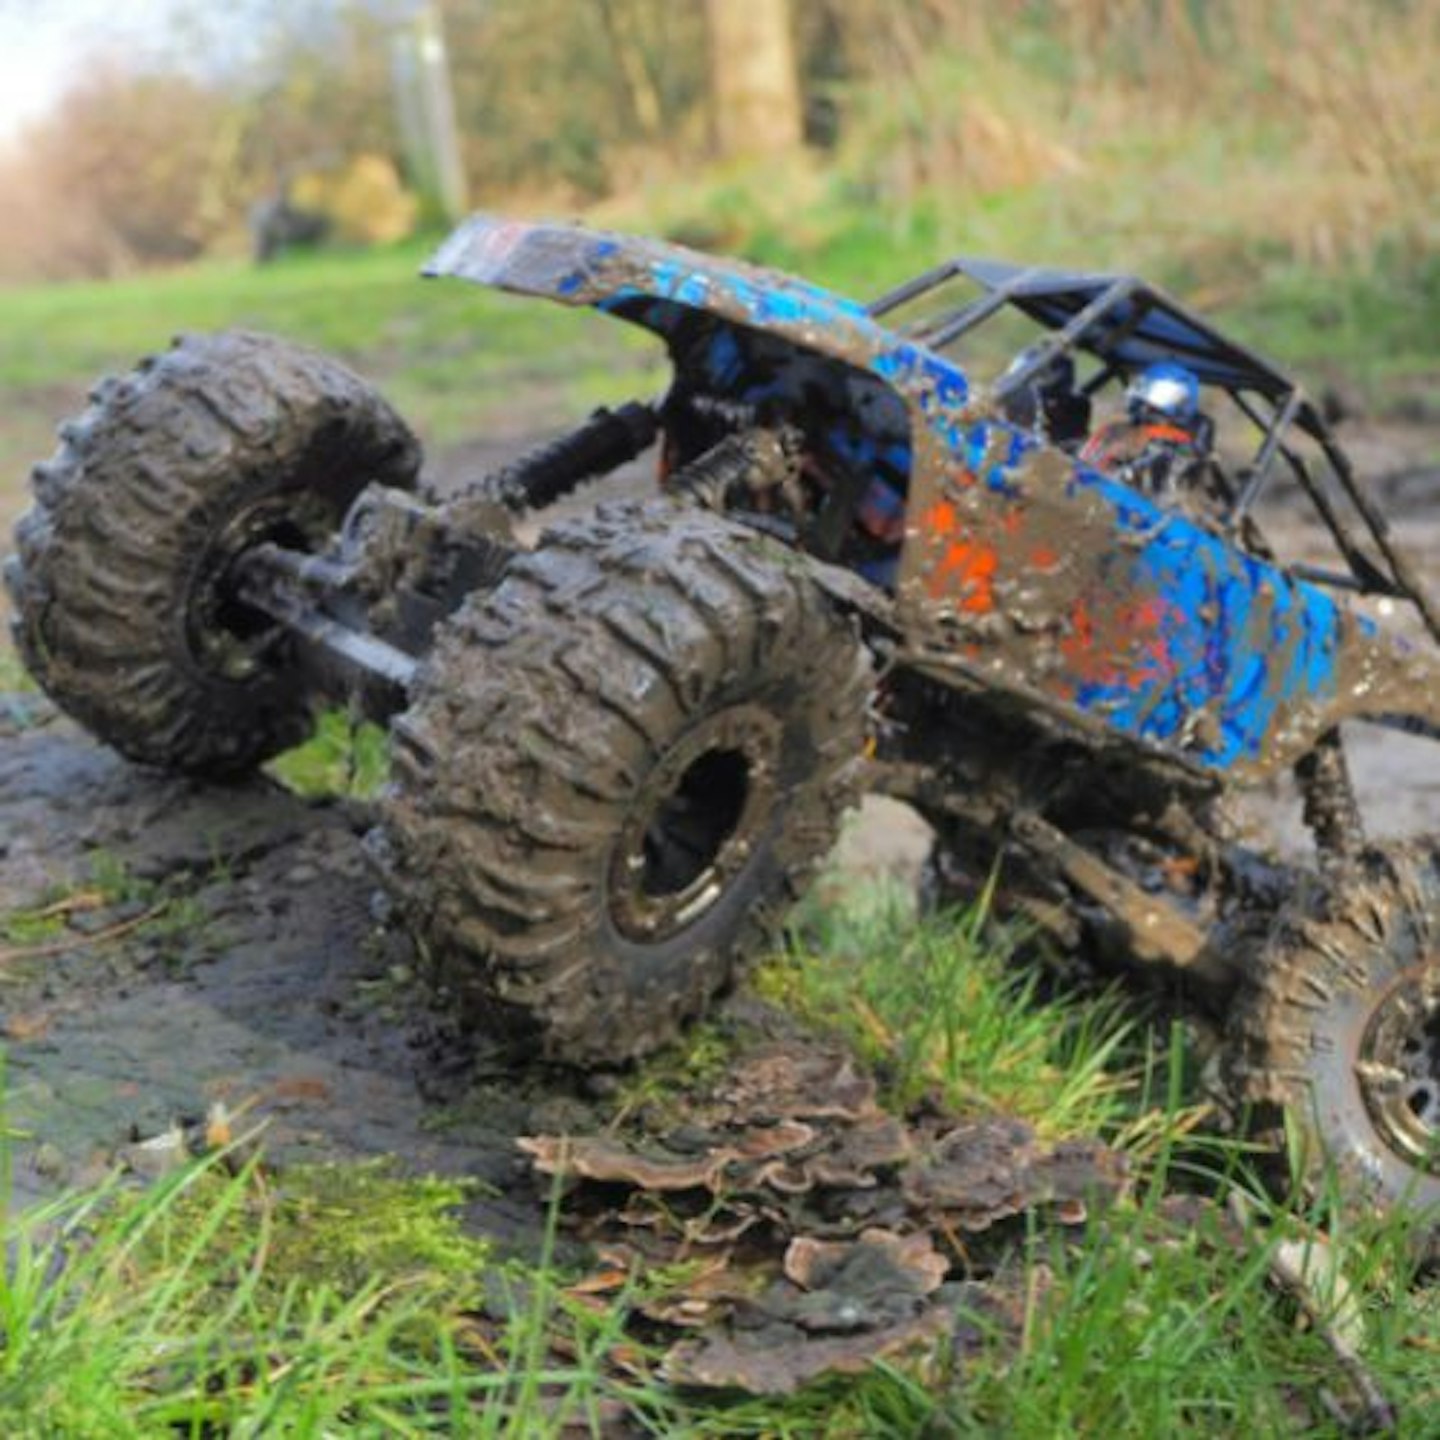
(754, 82)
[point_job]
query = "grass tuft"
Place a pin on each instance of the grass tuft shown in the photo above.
(937, 1005)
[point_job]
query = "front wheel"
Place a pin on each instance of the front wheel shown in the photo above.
(1341, 1026)
(123, 612)
(621, 767)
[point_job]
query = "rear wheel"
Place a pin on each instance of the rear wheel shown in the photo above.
(621, 767)
(123, 612)
(1341, 1026)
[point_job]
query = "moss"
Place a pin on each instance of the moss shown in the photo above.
(14, 678)
(340, 1228)
(108, 883)
(30, 927)
(349, 1225)
(667, 1080)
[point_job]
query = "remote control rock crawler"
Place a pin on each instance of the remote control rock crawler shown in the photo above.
(619, 755)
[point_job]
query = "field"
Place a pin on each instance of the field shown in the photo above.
(461, 362)
(233, 1298)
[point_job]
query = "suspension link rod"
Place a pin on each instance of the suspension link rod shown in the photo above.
(286, 585)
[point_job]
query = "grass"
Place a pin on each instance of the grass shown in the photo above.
(343, 757)
(321, 1302)
(457, 360)
(940, 1008)
(215, 1304)
(226, 1300)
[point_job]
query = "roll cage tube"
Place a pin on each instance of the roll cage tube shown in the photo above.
(1076, 307)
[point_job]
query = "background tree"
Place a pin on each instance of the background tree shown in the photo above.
(755, 99)
(129, 169)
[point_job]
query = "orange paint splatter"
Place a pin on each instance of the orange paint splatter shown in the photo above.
(941, 518)
(965, 572)
(1137, 654)
(965, 569)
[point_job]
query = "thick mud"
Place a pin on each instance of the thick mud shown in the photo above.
(170, 947)
(218, 945)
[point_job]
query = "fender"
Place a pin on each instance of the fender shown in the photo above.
(619, 273)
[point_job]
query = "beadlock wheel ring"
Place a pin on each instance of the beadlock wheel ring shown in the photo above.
(226, 638)
(695, 823)
(1398, 1066)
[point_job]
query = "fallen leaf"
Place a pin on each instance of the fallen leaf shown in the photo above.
(602, 1282)
(594, 1158)
(219, 1131)
(24, 1028)
(300, 1088)
(778, 1359)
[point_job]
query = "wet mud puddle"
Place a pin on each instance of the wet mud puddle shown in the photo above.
(171, 952)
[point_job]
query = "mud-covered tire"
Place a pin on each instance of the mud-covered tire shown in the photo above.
(1339, 1027)
(647, 669)
(222, 442)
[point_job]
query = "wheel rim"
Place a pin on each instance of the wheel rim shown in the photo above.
(1399, 1067)
(695, 824)
(227, 638)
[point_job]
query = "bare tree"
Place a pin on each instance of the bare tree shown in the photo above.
(754, 80)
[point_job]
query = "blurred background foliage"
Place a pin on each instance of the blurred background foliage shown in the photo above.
(1218, 139)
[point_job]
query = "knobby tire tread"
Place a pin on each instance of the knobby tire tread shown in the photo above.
(139, 481)
(543, 704)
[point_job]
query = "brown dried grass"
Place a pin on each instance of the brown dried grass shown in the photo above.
(1308, 128)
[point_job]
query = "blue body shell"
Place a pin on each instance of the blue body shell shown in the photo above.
(1019, 566)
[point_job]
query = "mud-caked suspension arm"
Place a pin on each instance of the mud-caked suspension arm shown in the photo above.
(293, 589)
(372, 600)
(399, 565)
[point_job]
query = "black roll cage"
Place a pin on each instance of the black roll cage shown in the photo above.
(1126, 323)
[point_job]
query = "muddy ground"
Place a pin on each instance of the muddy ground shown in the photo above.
(232, 951)
(254, 975)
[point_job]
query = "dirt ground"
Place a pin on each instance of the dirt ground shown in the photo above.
(255, 975)
(239, 958)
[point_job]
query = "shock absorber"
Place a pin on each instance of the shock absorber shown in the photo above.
(540, 477)
(1330, 806)
(749, 460)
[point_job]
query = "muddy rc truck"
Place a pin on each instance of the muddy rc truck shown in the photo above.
(619, 753)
